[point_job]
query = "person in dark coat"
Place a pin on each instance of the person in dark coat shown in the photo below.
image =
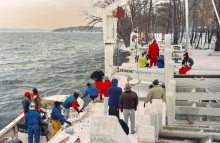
(160, 61)
(114, 98)
(33, 121)
(56, 116)
(97, 76)
(153, 53)
(26, 102)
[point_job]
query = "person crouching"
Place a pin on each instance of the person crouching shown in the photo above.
(33, 121)
(56, 116)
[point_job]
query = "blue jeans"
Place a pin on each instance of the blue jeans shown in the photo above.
(106, 105)
(34, 130)
(129, 113)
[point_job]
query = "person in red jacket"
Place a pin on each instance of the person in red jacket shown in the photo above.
(103, 91)
(153, 53)
(36, 100)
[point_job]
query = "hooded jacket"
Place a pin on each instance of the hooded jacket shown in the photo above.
(189, 61)
(142, 61)
(26, 102)
(33, 119)
(104, 87)
(114, 94)
(153, 50)
(56, 114)
(92, 91)
(160, 61)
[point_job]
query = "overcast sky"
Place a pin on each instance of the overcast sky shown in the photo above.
(43, 14)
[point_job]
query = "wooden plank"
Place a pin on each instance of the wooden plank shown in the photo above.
(197, 96)
(197, 111)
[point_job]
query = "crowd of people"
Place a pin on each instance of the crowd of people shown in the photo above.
(153, 58)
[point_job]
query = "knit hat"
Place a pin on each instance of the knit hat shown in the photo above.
(155, 82)
(186, 53)
(127, 87)
(88, 84)
(35, 90)
(57, 103)
(106, 78)
(27, 95)
(76, 94)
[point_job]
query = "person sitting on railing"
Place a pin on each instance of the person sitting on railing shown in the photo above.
(186, 64)
(26, 102)
(160, 61)
(71, 101)
(33, 121)
(56, 116)
(92, 91)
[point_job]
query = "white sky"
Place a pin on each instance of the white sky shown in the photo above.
(43, 14)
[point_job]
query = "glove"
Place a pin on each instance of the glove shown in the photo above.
(149, 56)
(80, 111)
(121, 109)
(69, 123)
(101, 98)
(144, 105)
(78, 105)
(135, 109)
(95, 79)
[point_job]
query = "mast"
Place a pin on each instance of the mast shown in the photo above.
(187, 23)
(216, 12)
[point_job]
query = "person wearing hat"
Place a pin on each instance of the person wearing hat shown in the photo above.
(114, 93)
(33, 121)
(153, 53)
(97, 76)
(71, 101)
(156, 92)
(103, 91)
(26, 102)
(160, 61)
(128, 105)
(186, 64)
(142, 61)
(92, 91)
(56, 116)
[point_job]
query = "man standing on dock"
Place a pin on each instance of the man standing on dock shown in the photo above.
(156, 92)
(128, 105)
(97, 76)
(103, 91)
(153, 53)
(114, 98)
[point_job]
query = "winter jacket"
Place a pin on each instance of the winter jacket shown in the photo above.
(129, 100)
(97, 75)
(142, 61)
(104, 87)
(114, 94)
(160, 61)
(26, 103)
(92, 91)
(188, 61)
(33, 119)
(56, 114)
(71, 101)
(156, 92)
(153, 50)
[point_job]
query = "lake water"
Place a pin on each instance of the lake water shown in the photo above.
(45, 61)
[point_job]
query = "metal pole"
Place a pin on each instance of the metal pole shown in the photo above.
(216, 12)
(187, 23)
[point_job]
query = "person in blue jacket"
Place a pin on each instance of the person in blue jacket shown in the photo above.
(160, 61)
(92, 91)
(33, 121)
(56, 116)
(114, 98)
